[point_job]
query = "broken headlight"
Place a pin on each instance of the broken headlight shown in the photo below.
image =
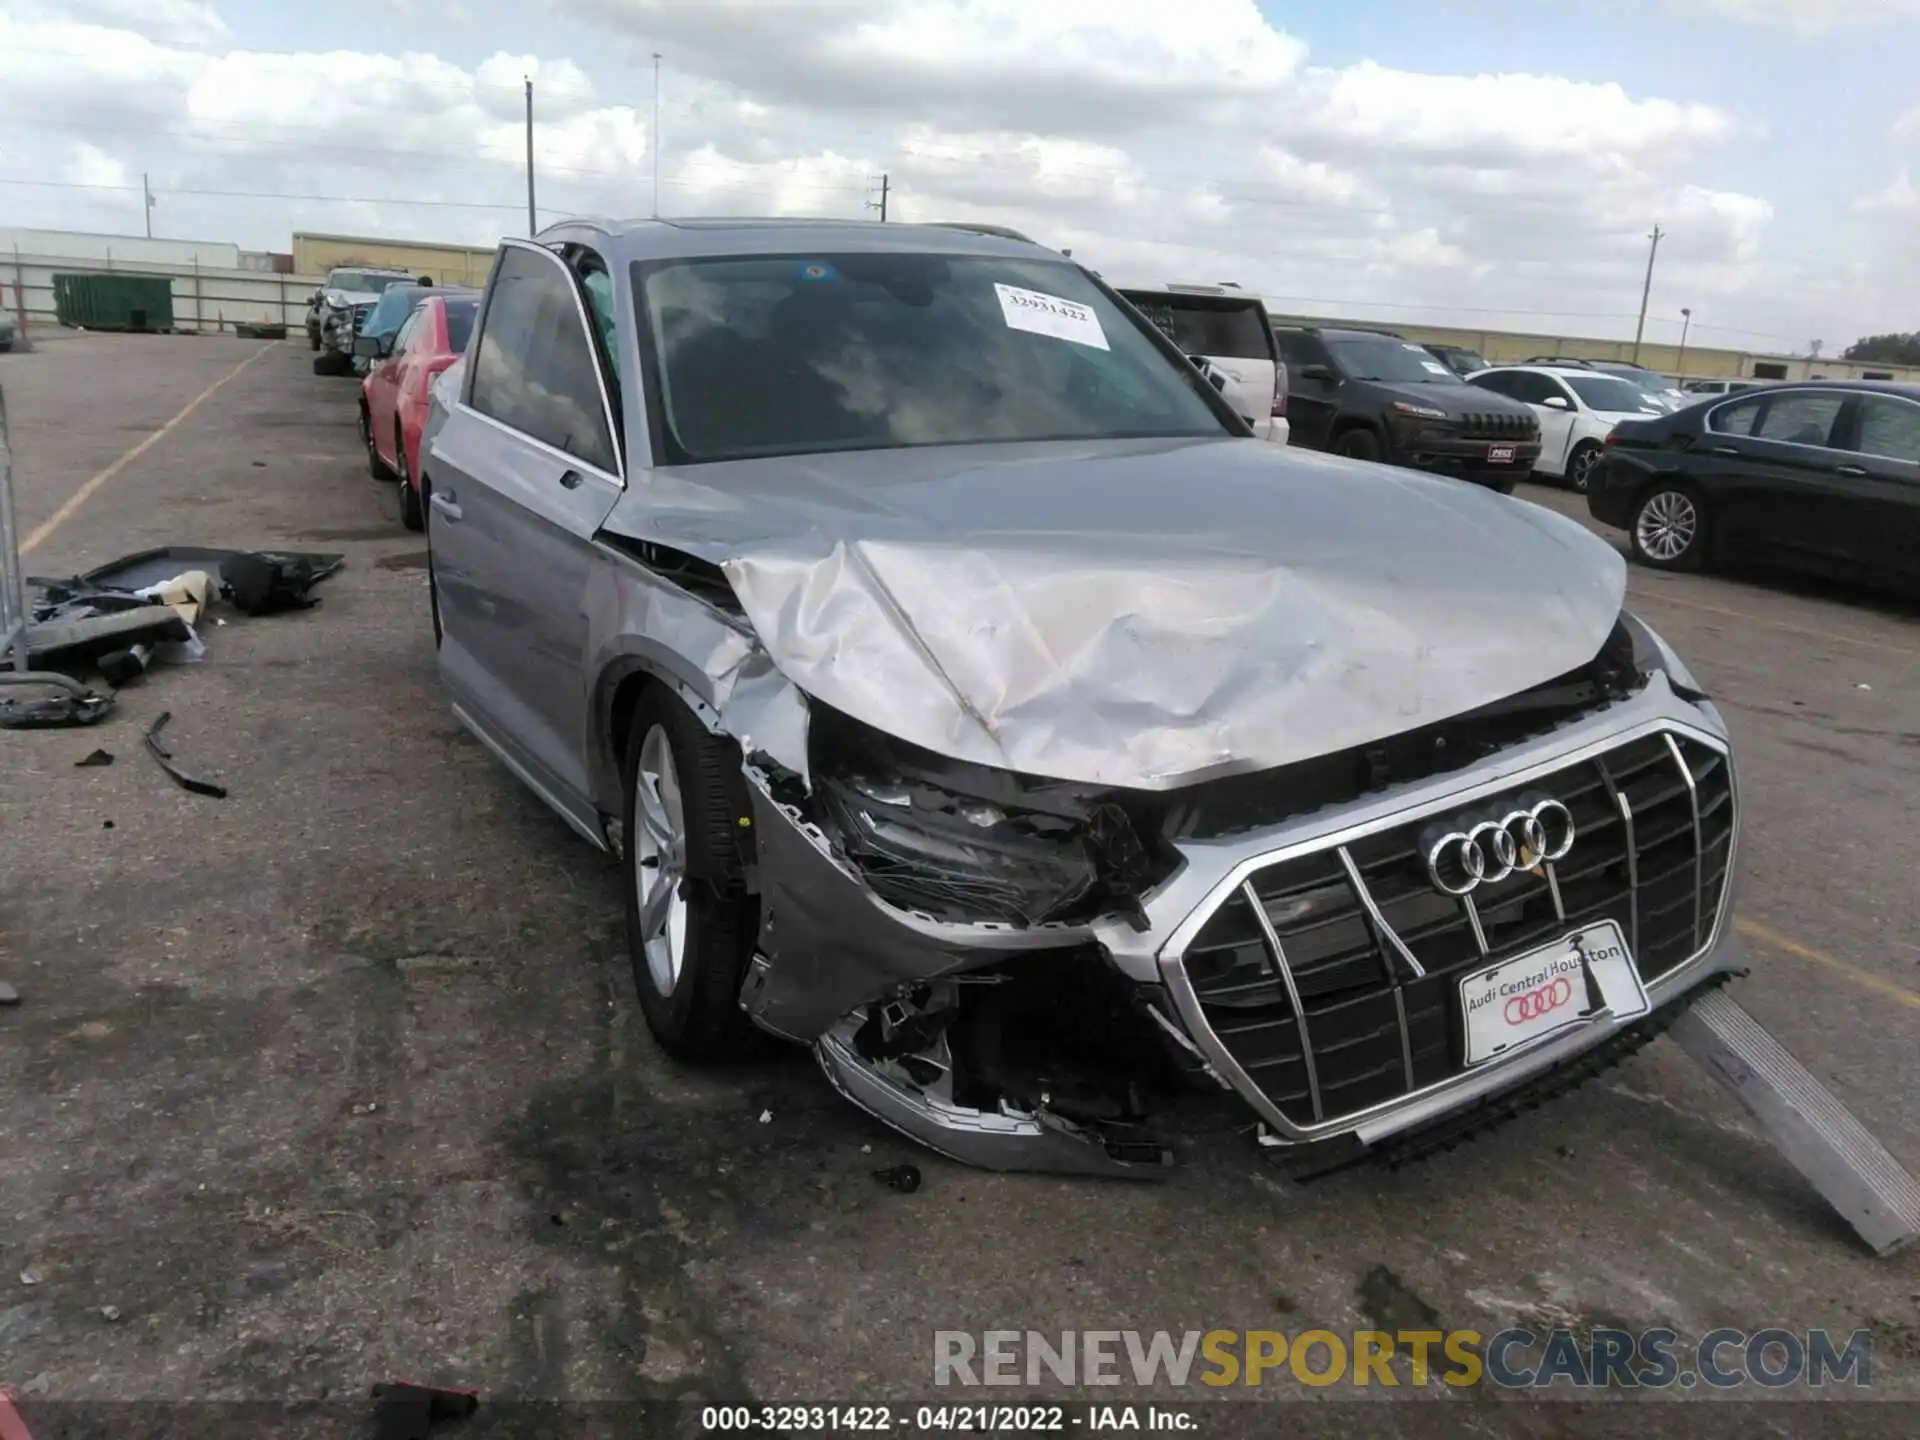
(955, 858)
(972, 843)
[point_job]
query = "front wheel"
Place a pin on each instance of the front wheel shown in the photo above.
(1669, 527)
(1358, 444)
(1581, 465)
(691, 924)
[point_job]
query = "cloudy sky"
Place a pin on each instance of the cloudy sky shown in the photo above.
(1485, 162)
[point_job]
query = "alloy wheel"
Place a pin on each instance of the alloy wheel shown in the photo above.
(1583, 467)
(1667, 525)
(660, 860)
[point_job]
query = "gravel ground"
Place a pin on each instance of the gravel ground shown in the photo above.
(342, 1077)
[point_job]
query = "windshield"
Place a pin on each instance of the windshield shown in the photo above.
(1464, 362)
(460, 315)
(785, 355)
(391, 310)
(1644, 380)
(1395, 361)
(1225, 329)
(1608, 392)
(364, 282)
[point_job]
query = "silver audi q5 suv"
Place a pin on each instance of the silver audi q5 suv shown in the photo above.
(967, 695)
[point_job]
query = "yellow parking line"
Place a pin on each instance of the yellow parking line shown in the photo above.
(1774, 940)
(1806, 630)
(80, 497)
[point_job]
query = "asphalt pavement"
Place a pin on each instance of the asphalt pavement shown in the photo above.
(342, 1077)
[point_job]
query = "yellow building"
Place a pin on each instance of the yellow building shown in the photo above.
(447, 264)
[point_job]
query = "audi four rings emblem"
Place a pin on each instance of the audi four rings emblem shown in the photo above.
(1535, 1003)
(1470, 851)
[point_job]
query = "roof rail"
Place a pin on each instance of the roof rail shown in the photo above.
(974, 228)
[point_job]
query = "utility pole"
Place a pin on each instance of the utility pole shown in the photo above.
(886, 184)
(146, 207)
(533, 215)
(1686, 324)
(1645, 291)
(653, 138)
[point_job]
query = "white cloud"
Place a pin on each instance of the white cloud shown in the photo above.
(1906, 130)
(1815, 17)
(177, 22)
(1179, 142)
(1900, 198)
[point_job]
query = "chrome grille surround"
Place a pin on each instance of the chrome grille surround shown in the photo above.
(1432, 1087)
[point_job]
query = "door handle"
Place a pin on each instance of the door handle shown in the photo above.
(570, 480)
(1848, 470)
(443, 501)
(1726, 450)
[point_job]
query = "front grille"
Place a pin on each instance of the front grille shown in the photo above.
(360, 313)
(1498, 425)
(1300, 974)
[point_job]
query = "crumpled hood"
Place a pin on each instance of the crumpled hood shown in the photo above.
(1142, 613)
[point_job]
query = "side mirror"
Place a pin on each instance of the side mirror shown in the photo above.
(369, 345)
(1556, 402)
(1317, 372)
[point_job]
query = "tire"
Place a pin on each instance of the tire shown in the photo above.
(1581, 464)
(313, 338)
(332, 362)
(1358, 443)
(412, 513)
(376, 467)
(1669, 527)
(1501, 484)
(690, 949)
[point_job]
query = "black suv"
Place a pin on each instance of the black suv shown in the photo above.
(1373, 396)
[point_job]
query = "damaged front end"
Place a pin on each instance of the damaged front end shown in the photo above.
(970, 950)
(924, 924)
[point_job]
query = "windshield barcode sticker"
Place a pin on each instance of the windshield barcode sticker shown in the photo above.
(1042, 314)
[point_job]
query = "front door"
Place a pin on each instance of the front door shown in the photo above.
(1312, 400)
(1775, 477)
(523, 474)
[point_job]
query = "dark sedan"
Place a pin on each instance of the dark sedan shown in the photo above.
(1822, 477)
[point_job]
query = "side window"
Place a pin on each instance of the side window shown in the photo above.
(1500, 382)
(1294, 349)
(1734, 419)
(1800, 419)
(597, 285)
(533, 365)
(404, 339)
(1532, 388)
(1890, 428)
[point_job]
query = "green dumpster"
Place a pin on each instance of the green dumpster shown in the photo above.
(114, 302)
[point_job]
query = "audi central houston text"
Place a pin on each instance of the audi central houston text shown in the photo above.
(968, 694)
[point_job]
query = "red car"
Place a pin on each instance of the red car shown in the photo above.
(393, 403)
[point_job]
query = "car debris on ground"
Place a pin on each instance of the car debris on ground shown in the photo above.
(185, 781)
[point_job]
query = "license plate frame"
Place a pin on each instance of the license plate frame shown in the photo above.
(1584, 976)
(1502, 454)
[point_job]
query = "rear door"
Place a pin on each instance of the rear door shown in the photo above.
(524, 473)
(1229, 332)
(1883, 528)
